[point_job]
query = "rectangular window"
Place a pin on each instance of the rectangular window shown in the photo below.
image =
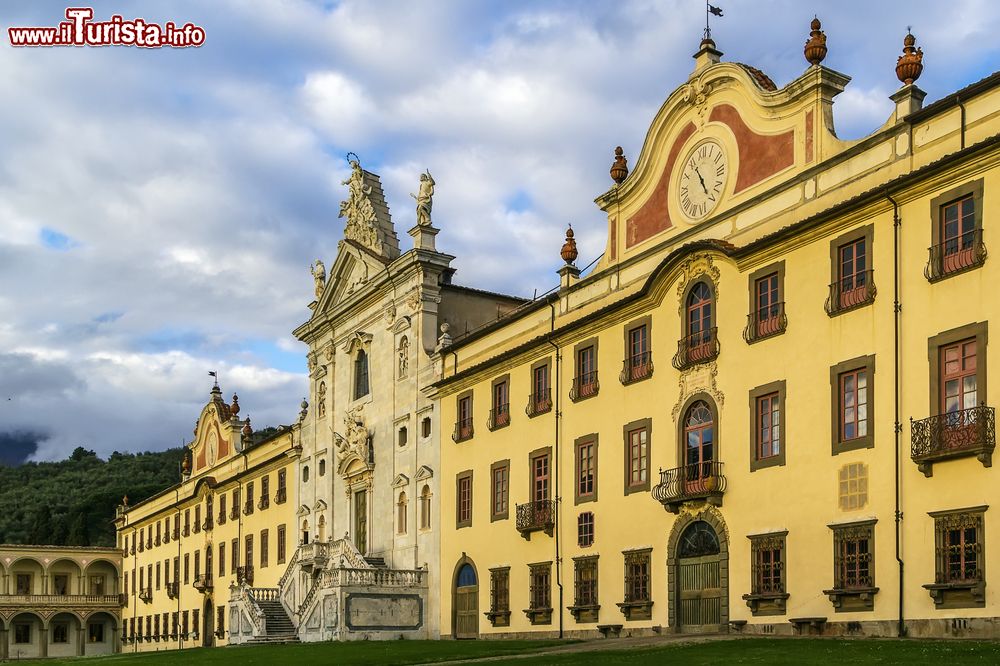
(187, 522)
(220, 621)
(280, 497)
(853, 403)
(960, 559)
(957, 231)
(222, 559)
(637, 456)
(23, 584)
(585, 581)
(586, 469)
(959, 381)
(248, 550)
(197, 519)
(222, 509)
(197, 564)
(540, 592)
(854, 553)
(248, 506)
(540, 400)
(585, 529)
(637, 576)
(463, 499)
(500, 590)
(195, 623)
(463, 426)
(540, 477)
(166, 530)
(60, 584)
(768, 564)
(264, 538)
(234, 512)
(265, 491)
(638, 359)
(158, 576)
(767, 309)
(852, 283)
(500, 403)
(184, 623)
(60, 632)
(187, 568)
(22, 633)
(281, 544)
(585, 383)
(500, 489)
(234, 546)
(767, 406)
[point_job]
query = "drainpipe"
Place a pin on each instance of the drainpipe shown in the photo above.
(897, 425)
(558, 497)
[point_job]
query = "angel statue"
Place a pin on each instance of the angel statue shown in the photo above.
(318, 271)
(424, 199)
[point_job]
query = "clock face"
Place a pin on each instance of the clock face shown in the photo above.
(703, 179)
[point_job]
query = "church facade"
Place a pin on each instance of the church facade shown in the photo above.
(765, 409)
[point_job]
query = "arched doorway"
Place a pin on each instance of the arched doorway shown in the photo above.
(698, 573)
(465, 601)
(208, 624)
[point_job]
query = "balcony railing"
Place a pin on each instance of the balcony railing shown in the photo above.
(584, 386)
(499, 417)
(60, 600)
(851, 291)
(234, 513)
(967, 432)
(173, 590)
(539, 403)
(177, 533)
(221, 520)
(636, 368)
(264, 501)
(765, 322)
(146, 595)
(463, 430)
(209, 524)
(280, 496)
(955, 255)
(536, 516)
(157, 541)
(698, 481)
(700, 347)
(203, 583)
(166, 537)
(186, 531)
(248, 508)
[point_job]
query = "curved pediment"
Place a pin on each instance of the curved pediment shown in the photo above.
(721, 139)
(216, 434)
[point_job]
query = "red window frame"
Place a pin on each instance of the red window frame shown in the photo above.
(501, 486)
(958, 227)
(638, 456)
(851, 401)
(540, 478)
(959, 376)
(501, 399)
(768, 426)
(465, 499)
(638, 347)
(767, 302)
(586, 468)
(586, 370)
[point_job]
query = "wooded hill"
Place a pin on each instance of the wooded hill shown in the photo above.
(72, 502)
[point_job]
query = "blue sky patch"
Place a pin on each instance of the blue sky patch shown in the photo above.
(55, 240)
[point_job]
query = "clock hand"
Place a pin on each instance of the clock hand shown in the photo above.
(702, 180)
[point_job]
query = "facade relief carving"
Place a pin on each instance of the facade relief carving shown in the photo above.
(318, 271)
(355, 443)
(696, 266)
(358, 210)
(700, 378)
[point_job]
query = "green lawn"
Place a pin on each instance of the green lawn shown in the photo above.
(770, 651)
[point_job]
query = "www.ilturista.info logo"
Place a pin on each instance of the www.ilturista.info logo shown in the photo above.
(80, 30)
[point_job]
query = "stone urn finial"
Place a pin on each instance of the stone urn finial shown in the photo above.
(910, 64)
(247, 428)
(569, 252)
(619, 170)
(235, 407)
(815, 49)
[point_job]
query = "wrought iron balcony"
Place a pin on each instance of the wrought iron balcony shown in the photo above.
(700, 347)
(149, 543)
(203, 583)
(636, 368)
(850, 292)
(234, 513)
(209, 524)
(248, 508)
(765, 322)
(967, 432)
(463, 430)
(173, 590)
(131, 549)
(142, 546)
(157, 540)
(146, 595)
(280, 496)
(177, 533)
(536, 516)
(955, 255)
(539, 403)
(698, 481)
(166, 537)
(499, 417)
(221, 520)
(264, 501)
(584, 386)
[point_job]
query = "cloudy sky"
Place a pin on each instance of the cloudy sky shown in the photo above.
(159, 208)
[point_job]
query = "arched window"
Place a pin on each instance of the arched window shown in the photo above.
(322, 528)
(698, 539)
(466, 576)
(403, 357)
(360, 374)
(699, 444)
(425, 508)
(700, 330)
(322, 467)
(401, 514)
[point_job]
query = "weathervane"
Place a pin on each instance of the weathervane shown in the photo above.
(711, 10)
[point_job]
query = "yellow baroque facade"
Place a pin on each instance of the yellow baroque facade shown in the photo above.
(190, 552)
(765, 409)
(59, 601)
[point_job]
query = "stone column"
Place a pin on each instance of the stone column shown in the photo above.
(81, 639)
(4, 647)
(43, 641)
